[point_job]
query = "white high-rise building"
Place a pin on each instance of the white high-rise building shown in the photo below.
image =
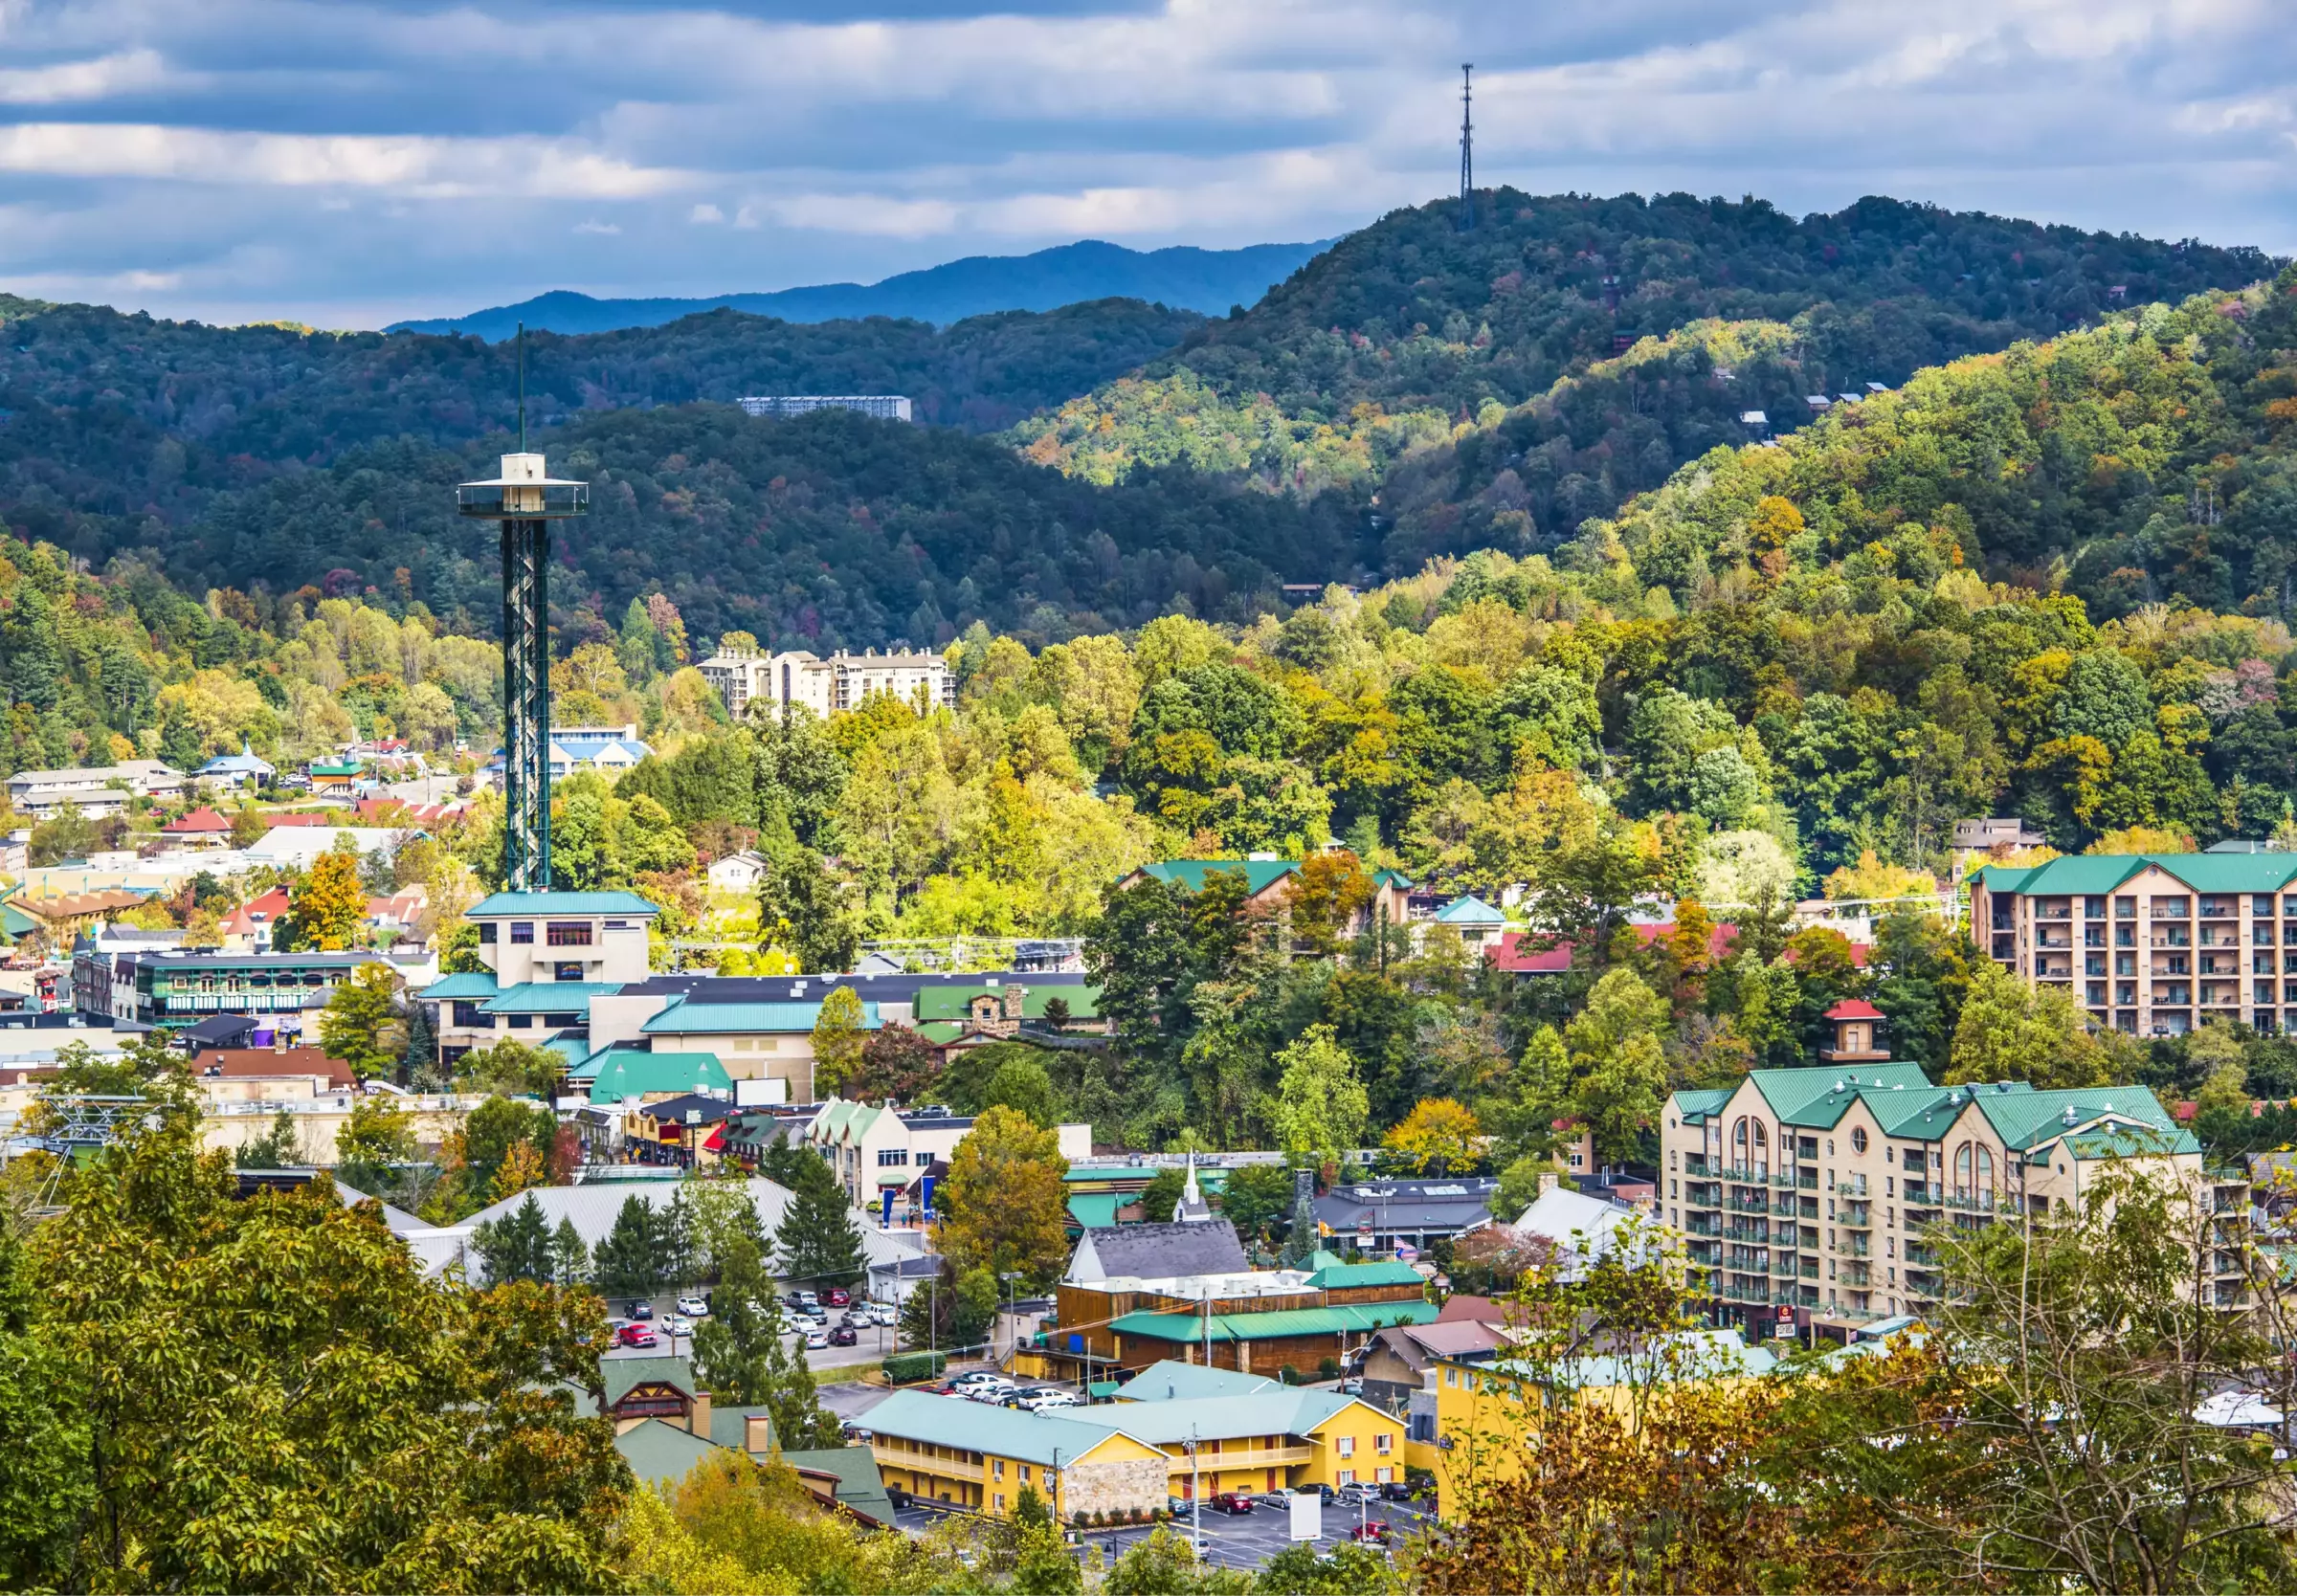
(825, 686)
(885, 407)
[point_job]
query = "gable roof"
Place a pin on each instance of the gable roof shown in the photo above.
(1350, 1318)
(1158, 1251)
(200, 821)
(661, 1454)
(1169, 1380)
(999, 1432)
(1279, 1410)
(1346, 1275)
(621, 1376)
(1905, 1104)
(497, 905)
(2091, 874)
(729, 1427)
(629, 1072)
(1469, 910)
(466, 984)
(549, 997)
(1259, 874)
(853, 1472)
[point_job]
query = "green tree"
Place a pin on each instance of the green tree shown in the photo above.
(47, 1483)
(1256, 1198)
(510, 1068)
(627, 1263)
(517, 1246)
(418, 1061)
(362, 1023)
(743, 1355)
(326, 910)
(802, 910)
(1023, 1085)
(838, 1037)
(373, 1144)
(278, 1149)
(817, 1239)
(569, 1257)
(1003, 1208)
(2010, 1030)
(1322, 1108)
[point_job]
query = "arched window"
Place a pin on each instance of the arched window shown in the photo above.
(1985, 1180)
(1762, 1148)
(1962, 1170)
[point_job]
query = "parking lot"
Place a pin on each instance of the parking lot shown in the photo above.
(872, 1343)
(1245, 1540)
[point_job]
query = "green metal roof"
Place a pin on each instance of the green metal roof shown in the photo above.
(628, 1072)
(621, 1376)
(471, 984)
(549, 997)
(860, 1488)
(2130, 1141)
(1277, 1410)
(1905, 1104)
(1096, 1210)
(1815, 1095)
(939, 1032)
(1343, 1277)
(687, 1018)
(15, 922)
(1258, 874)
(729, 1427)
(1470, 910)
(661, 1454)
(997, 1431)
(1174, 1381)
(1352, 1318)
(2102, 873)
(1693, 1107)
(540, 904)
(330, 767)
(950, 1003)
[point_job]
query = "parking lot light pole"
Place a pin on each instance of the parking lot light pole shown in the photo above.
(1195, 1493)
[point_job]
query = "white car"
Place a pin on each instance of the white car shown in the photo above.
(693, 1307)
(992, 1392)
(817, 1340)
(677, 1324)
(978, 1377)
(1036, 1401)
(879, 1312)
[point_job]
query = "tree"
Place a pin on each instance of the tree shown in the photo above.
(898, 1066)
(569, 1257)
(817, 1239)
(1161, 1195)
(523, 1166)
(1441, 1133)
(1330, 890)
(837, 1039)
(373, 1144)
(326, 910)
(418, 1062)
(1003, 1208)
(741, 1355)
(511, 1068)
(1023, 1085)
(279, 1149)
(362, 1023)
(1321, 1106)
(1256, 1198)
(2010, 1030)
(802, 910)
(627, 1263)
(517, 1246)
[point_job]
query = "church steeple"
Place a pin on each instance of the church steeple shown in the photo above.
(1192, 1208)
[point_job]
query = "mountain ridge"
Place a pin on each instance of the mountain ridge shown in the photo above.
(1181, 276)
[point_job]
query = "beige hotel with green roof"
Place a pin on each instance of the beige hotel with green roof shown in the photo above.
(1811, 1193)
(2150, 944)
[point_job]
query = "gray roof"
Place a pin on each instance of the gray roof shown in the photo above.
(1431, 1205)
(999, 1432)
(397, 1221)
(1172, 1381)
(1160, 1252)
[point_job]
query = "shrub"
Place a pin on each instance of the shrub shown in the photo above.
(904, 1369)
(1289, 1375)
(1328, 1368)
(1080, 1518)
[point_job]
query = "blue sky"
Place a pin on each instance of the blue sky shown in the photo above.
(348, 163)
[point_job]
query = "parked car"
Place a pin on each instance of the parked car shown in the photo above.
(641, 1310)
(804, 1298)
(817, 1340)
(1042, 1398)
(879, 1312)
(854, 1316)
(843, 1336)
(994, 1394)
(694, 1307)
(978, 1377)
(1231, 1501)
(1352, 1386)
(1359, 1490)
(640, 1335)
(1319, 1489)
(1371, 1530)
(1399, 1491)
(679, 1324)
(836, 1297)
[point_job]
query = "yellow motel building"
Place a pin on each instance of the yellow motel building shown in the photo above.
(1484, 1412)
(1133, 1454)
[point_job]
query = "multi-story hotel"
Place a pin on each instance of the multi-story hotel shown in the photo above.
(2150, 944)
(920, 679)
(1807, 1193)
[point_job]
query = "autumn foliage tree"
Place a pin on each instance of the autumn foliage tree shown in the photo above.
(1003, 1208)
(1437, 1134)
(326, 910)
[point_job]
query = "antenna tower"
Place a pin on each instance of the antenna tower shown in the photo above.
(1467, 147)
(525, 499)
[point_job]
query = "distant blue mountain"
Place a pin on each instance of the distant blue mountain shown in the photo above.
(1212, 282)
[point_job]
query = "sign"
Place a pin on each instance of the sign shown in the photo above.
(924, 1187)
(1307, 1516)
(886, 1197)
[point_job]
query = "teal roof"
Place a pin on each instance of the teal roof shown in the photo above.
(860, 1488)
(1470, 910)
(1905, 1104)
(1097, 1211)
(1688, 1355)
(628, 1072)
(572, 1049)
(1815, 1096)
(975, 1427)
(1350, 1318)
(1693, 1107)
(2102, 873)
(686, 1017)
(549, 997)
(475, 984)
(2130, 1141)
(661, 1454)
(621, 1376)
(1343, 1277)
(544, 903)
(1259, 874)
(729, 1427)
(1277, 1410)
(1174, 1381)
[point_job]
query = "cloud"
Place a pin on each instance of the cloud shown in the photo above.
(612, 229)
(185, 142)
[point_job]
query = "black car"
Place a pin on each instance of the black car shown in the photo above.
(641, 1310)
(1398, 1491)
(843, 1336)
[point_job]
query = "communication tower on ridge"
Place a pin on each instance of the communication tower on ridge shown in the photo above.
(1468, 148)
(525, 499)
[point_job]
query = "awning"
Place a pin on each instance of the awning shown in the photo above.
(1097, 1211)
(715, 1142)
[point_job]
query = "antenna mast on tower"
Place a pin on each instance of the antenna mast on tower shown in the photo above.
(1467, 147)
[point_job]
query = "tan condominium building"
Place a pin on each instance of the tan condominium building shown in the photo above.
(1810, 1194)
(2150, 944)
(920, 679)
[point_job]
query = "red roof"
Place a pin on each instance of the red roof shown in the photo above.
(1479, 1309)
(200, 821)
(715, 1142)
(260, 910)
(1511, 956)
(306, 817)
(1853, 1009)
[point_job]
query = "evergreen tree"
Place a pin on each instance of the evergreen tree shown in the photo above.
(516, 1246)
(743, 1357)
(674, 1240)
(569, 1258)
(419, 1064)
(627, 1263)
(819, 1240)
(277, 1150)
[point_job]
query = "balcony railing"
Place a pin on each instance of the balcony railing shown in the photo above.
(1851, 1185)
(1921, 1194)
(1857, 1215)
(1855, 1247)
(1695, 1226)
(1746, 1232)
(1739, 1203)
(1857, 1274)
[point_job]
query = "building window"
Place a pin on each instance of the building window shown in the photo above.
(1347, 1477)
(1384, 1444)
(522, 931)
(486, 933)
(1001, 1498)
(1024, 1474)
(467, 1014)
(997, 1470)
(567, 933)
(891, 1158)
(1348, 1446)
(1858, 1139)
(522, 1021)
(1383, 1475)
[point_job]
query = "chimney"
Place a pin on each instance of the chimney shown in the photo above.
(700, 1422)
(1014, 992)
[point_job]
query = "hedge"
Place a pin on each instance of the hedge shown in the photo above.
(903, 1368)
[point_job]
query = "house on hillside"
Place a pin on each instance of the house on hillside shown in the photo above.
(1270, 882)
(242, 769)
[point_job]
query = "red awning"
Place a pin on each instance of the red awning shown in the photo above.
(715, 1142)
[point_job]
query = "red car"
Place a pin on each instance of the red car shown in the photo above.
(640, 1335)
(1230, 1502)
(1370, 1530)
(835, 1298)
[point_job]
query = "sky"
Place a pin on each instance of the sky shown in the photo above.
(347, 163)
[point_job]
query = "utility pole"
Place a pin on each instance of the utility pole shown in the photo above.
(1468, 148)
(1195, 1493)
(525, 499)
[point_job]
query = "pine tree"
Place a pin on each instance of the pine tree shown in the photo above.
(569, 1258)
(275, 1150)
(516, 1246)
(626, 1264)
(741, 1355)
(819, 1240)
(419, 1064)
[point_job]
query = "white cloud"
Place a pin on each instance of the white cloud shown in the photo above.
(613, 229)
(129, 72)
(705, 215)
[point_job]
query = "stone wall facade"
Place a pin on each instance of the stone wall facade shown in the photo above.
(1114, 1487)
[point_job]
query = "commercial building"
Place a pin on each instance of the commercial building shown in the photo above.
(920, 679)
(95, 792)
(1808, 1194)
(1403, 1217)
(2150, 944)
(885, 407)
(875, 1150)
(172, 988)
(548, 955)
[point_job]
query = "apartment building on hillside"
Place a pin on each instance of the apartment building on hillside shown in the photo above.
(1807, 1193)
(920, 677)
(2150, 944)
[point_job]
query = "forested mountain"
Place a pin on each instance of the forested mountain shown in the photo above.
(1404, 334)
(116, 429)
(1187, 278)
